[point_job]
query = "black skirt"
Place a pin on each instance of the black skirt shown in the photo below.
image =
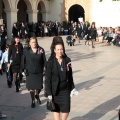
(34, 81)
(15, 67)
(62, 98)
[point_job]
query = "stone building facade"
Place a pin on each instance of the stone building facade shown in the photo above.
(105, 13)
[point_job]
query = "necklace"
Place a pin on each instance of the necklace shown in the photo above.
(16, 46)
(61, 66)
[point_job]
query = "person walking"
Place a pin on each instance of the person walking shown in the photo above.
(92, 35)
(15, 53)
(58, 79)
(79, 31)
(33, 62)
(8, 71)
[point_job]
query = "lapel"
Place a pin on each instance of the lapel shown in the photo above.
(55, 69)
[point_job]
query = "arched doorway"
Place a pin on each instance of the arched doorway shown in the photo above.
(2, 12)
(75, 12)
(22, 13)
(41, 11)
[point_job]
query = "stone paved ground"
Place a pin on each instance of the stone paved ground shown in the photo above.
(97, 78)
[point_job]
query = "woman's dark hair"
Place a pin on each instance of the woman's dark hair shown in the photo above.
(7, 46)
(34, 39)
(57, 41)
(13, 42)
(93, 23)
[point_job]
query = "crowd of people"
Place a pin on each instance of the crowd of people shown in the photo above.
(90, 33)
(17, 60)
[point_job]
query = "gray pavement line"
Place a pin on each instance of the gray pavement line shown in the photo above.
(108, 68)
(114, 118)
(13, 106)
(110, 78)
(103, 70)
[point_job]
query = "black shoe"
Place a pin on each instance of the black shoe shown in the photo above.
(9, 86)
(32, 105)
(17, 88)
(38, 100)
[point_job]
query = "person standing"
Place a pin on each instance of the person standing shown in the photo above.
(15, 53)
(59, 80)
(42, 29)
(33, 62)
(15, 31)
(23, 31)
(3, 36)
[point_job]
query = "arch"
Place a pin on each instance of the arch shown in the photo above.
(2, 12)
(42, 3)
(22, 11)
(41, 10)
(7, 4)
(76, 11)
(28, 3)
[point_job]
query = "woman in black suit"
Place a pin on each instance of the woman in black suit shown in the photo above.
(79, 31)
(3, 34)
(33, 62)
(15, 53)
(59, 81)
(92, 34)
(15, 31)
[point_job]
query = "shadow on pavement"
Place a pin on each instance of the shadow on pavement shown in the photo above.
(76, 56)
(87, 84)
(101, 110)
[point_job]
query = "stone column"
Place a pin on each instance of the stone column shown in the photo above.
(11, 18)
(32, 15)
(1, 8)
(44, 16)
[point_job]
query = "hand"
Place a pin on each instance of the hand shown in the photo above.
(23, 73)
(0, 68)
(50, 97)
(8, 65)
(73, 92)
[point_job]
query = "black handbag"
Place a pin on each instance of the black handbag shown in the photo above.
(50, 105)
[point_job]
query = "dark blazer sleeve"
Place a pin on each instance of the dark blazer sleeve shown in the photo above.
(44, 58)
(21, 48)
(70, 76)
(23, 61)
(48, 78)
(71, 80)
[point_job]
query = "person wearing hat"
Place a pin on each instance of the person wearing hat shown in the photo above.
(15, 52)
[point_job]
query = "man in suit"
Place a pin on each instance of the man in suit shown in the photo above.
(83, 25)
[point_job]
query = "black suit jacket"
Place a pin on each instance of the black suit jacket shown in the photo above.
(52, 79)
(33, 63)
